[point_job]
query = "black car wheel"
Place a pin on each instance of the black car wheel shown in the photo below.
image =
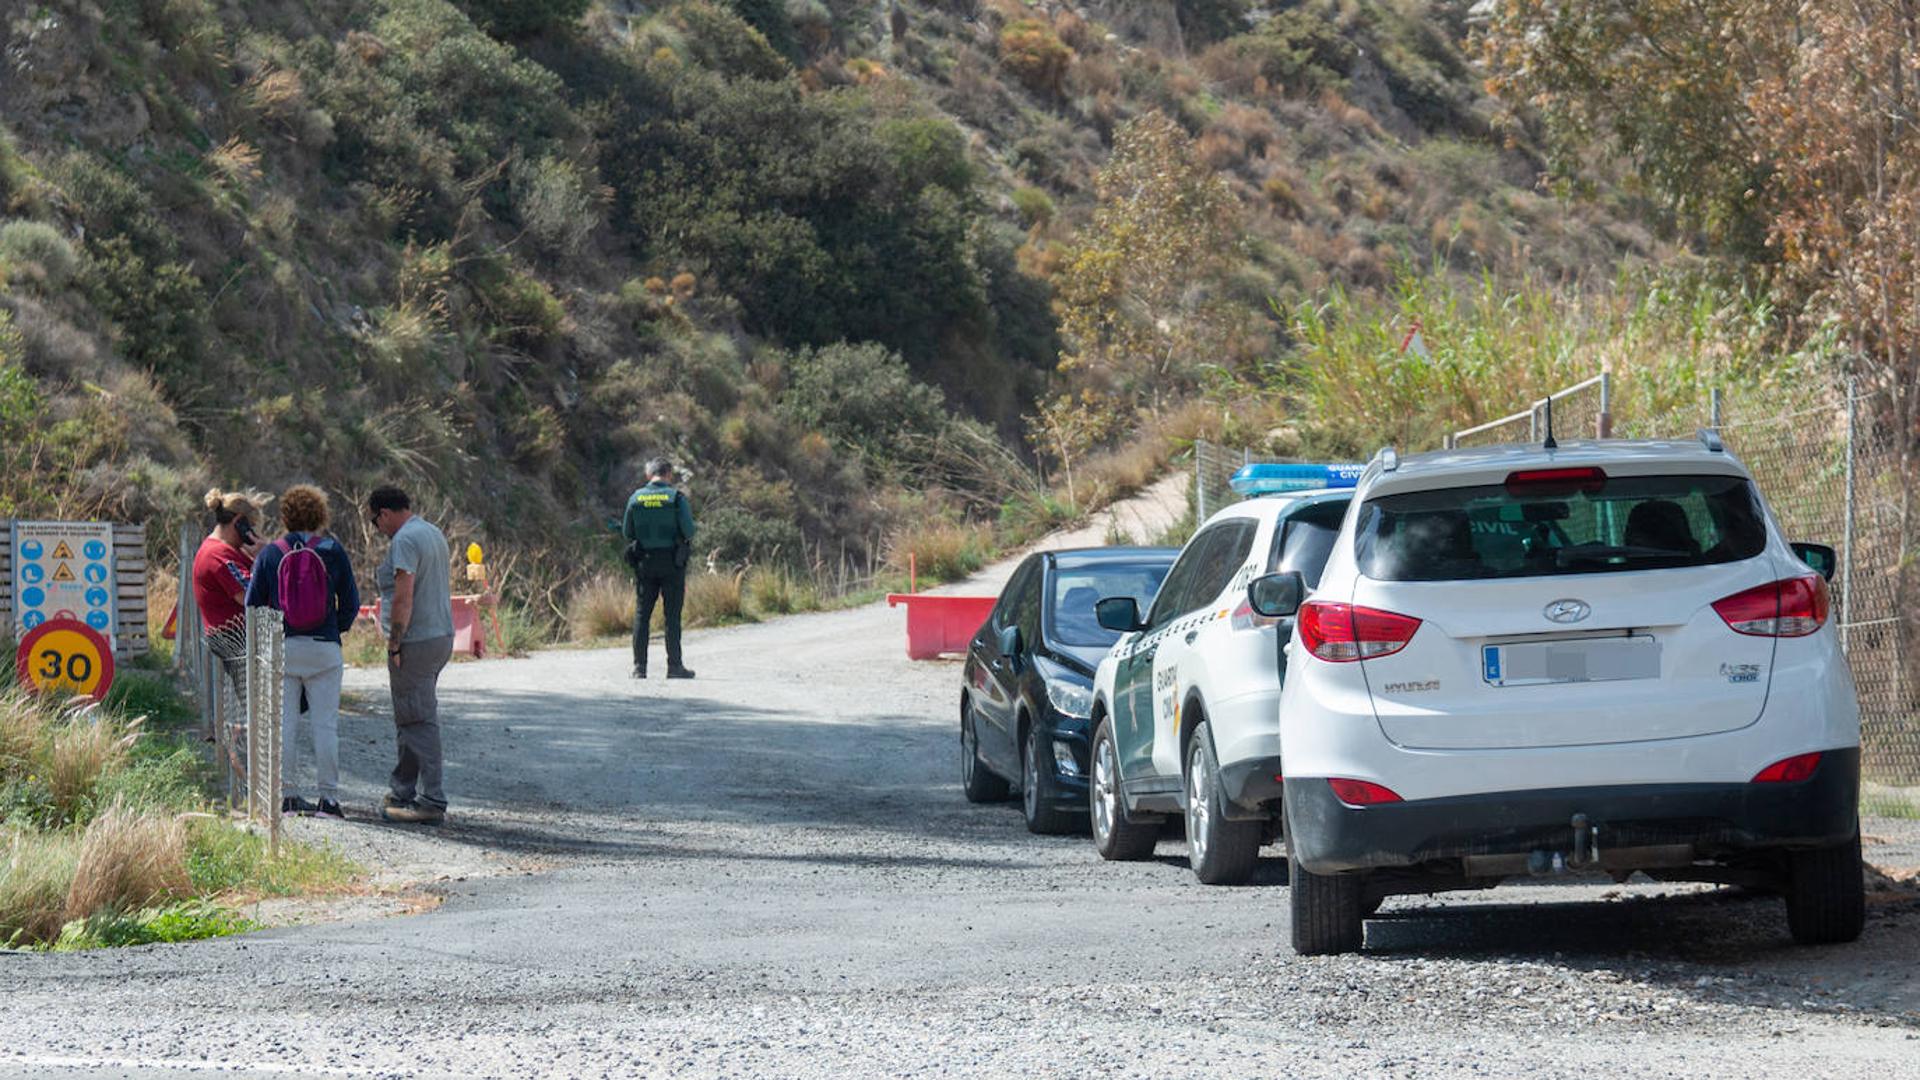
(1221, 852)
(1038, 789)
(978, 781)
(1114, 837)
(1325, 909)
(1826, 894)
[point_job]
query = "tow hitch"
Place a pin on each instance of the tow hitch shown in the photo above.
(1585, 853)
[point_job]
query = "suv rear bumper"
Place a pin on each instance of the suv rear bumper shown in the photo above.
(1329, 837)
(1253, 788)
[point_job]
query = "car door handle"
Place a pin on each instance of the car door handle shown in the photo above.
(1191, 634)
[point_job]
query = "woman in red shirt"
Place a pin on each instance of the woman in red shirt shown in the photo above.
(220, 571)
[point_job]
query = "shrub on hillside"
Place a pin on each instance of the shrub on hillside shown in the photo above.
(520, 18)
(555, 202)
(939, 551)
(717, 39)
(36, 245)
(1034, 54)
(862, 395)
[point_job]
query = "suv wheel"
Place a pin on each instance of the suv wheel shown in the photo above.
(1038, 792)
(1326, 912)
(1221, 852)
(978, 781)
(1826, 894)
(1114, 837)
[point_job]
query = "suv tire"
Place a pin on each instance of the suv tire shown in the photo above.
(1114, 837)
(1326, 912)
(1038, 792)
(1221, 852)
(1826, 894)
(979, 782)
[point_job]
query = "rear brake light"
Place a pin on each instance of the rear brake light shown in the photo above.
(1790, 607)
(1339, 633)
(1789, 770)
(1556, 481)
(1362, 793)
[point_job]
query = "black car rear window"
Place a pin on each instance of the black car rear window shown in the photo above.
(1606, 526)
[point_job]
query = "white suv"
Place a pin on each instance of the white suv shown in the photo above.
(1599, 656)
(1184, 704)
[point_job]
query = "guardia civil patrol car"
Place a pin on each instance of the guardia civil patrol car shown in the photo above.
(1594, 656)
(1186, 702)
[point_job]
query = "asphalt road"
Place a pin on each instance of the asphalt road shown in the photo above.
(770, 871)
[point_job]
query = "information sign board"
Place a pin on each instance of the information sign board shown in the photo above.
(63, 570)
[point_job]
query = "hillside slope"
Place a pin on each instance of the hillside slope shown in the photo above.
(503, 250)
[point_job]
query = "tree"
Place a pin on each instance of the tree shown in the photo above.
(1134, 301)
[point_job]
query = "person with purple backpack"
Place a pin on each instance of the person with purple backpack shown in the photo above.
(307, 576)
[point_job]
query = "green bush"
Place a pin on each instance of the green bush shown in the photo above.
(719, 40)
(556, 204)
(39, 244)
(862, 396)
(187, 920)
(520, 18)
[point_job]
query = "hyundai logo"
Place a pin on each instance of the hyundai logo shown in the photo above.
(1567, 611)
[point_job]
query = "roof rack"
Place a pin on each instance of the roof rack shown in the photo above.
(1388, 458)
(1710, 439)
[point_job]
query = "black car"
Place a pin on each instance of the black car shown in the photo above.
(1029, 679)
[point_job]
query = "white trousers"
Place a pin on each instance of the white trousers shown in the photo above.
(314, 666)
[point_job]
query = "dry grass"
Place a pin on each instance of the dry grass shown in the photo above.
(81, 750)
(940, 550)
(36, 874)
(128, 860)
(713, 598)
(601, 608)
(23, 724)
(776, 591)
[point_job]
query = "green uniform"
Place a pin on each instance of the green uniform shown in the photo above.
(658, 526)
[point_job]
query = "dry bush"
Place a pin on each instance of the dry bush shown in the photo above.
(940, 550)
(24, 720)
(1032, 53)
(277, 94)
(127, 861)
(713, 598)
(236, 160)
(602, 607)
(83, 748)
(776, 591)
(1123, 470)
(36, 873)
(163, 592)
(1220, 150)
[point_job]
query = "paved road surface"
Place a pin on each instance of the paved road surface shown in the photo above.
(770, 872)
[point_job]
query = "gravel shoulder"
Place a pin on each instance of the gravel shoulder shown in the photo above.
(769, 871)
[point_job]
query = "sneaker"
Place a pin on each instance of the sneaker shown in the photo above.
(413, 815)
(639, 673)
(294, 804)
(331, 808)
(679, 673)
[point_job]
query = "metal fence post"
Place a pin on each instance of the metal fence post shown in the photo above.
(1846, 530)
(1199, 480)
(1603, 425)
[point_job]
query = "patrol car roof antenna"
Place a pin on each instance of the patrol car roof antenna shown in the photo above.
(1549, 444)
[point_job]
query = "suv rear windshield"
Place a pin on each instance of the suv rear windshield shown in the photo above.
(1619, 523)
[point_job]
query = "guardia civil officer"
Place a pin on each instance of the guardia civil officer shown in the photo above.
(659, 529)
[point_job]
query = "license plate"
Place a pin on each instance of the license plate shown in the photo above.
(1596, 660)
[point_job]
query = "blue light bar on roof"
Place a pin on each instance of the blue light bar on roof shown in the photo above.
(1272, 479)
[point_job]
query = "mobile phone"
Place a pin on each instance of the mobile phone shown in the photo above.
(245, 528)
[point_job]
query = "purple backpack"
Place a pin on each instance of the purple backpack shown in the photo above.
(305, 587)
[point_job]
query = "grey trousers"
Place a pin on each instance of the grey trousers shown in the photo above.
(416, 719)
(313, 666)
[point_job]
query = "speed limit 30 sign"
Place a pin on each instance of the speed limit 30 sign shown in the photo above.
(66, 655)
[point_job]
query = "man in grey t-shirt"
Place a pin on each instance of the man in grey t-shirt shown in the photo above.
(416, 614)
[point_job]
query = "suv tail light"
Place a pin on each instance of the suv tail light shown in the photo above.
(1789, 770)
(1339, 633)
(1790, 607)
(1245, 618)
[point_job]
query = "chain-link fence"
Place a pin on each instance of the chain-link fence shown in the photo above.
(1835, 470)
(236, 673)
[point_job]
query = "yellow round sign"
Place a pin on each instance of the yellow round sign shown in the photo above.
(68, 656)
(473, 554)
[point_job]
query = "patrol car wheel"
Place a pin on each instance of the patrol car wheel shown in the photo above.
(1114, 837)
(1221, 852)
(1037, 788)
(978, 781)
(1826, 895)
(1325, 910)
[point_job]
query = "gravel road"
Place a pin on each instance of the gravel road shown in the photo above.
(770, 872)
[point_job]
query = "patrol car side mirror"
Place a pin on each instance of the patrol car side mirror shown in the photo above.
(1819, 556)
(1277, 596)
(1009, 641)
(1118, 613)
